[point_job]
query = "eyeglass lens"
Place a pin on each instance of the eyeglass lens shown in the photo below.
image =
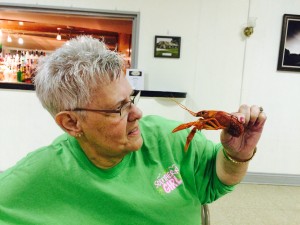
(134, 100)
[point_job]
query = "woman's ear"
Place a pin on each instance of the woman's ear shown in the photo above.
(69, 122)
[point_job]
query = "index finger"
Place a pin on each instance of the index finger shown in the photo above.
(245, 111)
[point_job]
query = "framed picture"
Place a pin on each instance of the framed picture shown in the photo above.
(167, 47)
(289, 51)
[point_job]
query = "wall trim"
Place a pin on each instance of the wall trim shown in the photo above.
(269, 178)
(272, 178)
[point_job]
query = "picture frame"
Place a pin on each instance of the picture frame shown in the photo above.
(167, 46)
(289, 50)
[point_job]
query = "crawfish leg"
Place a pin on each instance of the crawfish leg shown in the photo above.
(212, 124)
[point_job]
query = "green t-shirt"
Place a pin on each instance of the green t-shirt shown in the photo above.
(159, 184)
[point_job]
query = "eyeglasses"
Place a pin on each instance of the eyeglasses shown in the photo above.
(122, 110)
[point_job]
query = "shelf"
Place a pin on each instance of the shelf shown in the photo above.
(163, 94)
(18, 86)
(144, 93)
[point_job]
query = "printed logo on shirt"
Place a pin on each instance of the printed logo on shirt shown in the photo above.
(169, 181)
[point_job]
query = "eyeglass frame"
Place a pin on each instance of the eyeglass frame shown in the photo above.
(134, 100)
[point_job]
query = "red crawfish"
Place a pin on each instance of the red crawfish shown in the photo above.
(211, 120)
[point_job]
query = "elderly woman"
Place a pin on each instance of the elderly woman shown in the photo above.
(111, 166)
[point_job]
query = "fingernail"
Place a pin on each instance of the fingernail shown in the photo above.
(242, 119)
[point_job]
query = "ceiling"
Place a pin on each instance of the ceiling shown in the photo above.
(40, 28)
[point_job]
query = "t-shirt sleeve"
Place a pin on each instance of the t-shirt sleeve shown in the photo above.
(208, 185)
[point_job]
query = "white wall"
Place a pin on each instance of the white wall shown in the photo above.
(278, 92)
(25, 126)
(218, 67)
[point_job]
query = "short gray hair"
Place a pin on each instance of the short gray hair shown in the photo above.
(66, 78)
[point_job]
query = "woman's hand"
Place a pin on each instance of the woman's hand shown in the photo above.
(242, 147)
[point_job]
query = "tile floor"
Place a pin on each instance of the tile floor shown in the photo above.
(251, 204)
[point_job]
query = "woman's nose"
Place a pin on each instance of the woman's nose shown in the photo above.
(135, 113)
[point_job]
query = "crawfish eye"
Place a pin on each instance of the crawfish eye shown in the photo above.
(202, 113)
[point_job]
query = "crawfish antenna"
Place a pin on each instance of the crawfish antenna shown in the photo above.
(184, 107)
